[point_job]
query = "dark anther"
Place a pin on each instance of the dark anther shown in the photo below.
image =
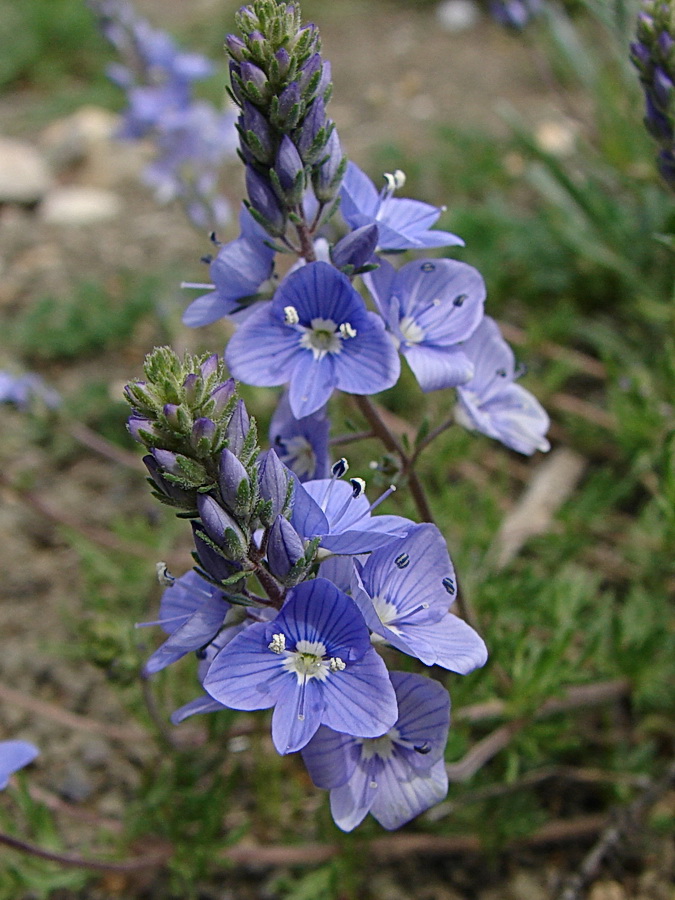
(358, 487)
(402, 560)
(427, 267)
(458, 301)
(449, 585)
(340, 467)
(501, 373)
(423, 748)
(207, 258)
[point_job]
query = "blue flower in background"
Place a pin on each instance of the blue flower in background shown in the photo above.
(430, 307)
(14, 755)
(405, 590)
(492, 403)
(394, 777)
(316, 335)
(22, 390)
(403, 224)
(313, 663)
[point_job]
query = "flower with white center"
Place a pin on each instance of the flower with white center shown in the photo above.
(335, 342)
(430, 308)
(403, 224)
(394, 776)
(313, 663)
(492, 403)
(408, 606)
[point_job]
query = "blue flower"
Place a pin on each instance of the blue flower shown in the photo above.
(14, 755)
(405, 590)
(192, 612)
(22, 390)
(492, 403)
(430, 307)
(394, 777)
(403, 224)
(313, 663)
(339, 513)
(239, 271)
(301, 444)
(316, 335)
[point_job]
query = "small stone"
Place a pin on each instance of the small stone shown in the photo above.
(96, 753)
(24, 174)
(75, 785)
(457, 15)
(74, 205)
(607, 890)
(526, 886)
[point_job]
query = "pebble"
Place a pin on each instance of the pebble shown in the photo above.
(75, 785)
(456, 16)
(77, 205)
(24, 175)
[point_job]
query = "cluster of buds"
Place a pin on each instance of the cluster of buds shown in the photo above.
(204, 461)
(653, 54)
(282, 85)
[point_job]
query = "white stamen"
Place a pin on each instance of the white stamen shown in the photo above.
(278, 643)
(395, 181)
(336, 664)
(165, 578)
(197, 286)
(291, 316)
(347, 331)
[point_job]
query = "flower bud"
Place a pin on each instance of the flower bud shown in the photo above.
(356, 248)
(290, 172)
(273, 483)
(327, 177)
(212, 562)
(254, 81)
(231, 475)
(221, 527)
(264, 201)
(237, 428)
(284, 547)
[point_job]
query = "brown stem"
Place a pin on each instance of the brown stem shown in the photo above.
(431, 437)
(402, 846)
(306, 244)
(77, 862)
(96, 442)
(392, 443)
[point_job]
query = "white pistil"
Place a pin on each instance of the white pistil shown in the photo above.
(410, 330)
(291, 316)
(387, 612)
(347, 331)
(278, 643)
(381, 746)
(308, 661)
(321, 337)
